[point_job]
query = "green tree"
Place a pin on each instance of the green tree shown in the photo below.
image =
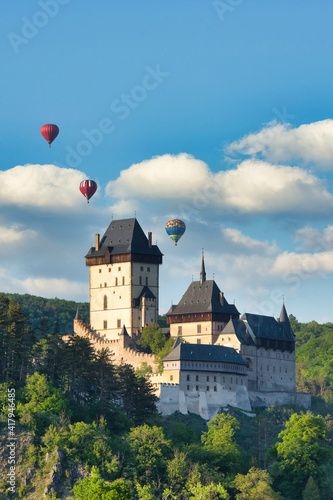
(210, 492)
(95, 488)
(152, 338)
(44, 404)
(302, 452)
(255, 485)
(219, 440)
(151, 451)
(311, 490)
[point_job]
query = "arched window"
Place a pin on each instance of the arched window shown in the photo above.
(105, 302)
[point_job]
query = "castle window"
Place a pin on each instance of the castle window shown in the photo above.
(196, 387)
(105, 325)
(104, 285)
(148, 269)
(171, 377)
(105, 302)
(99, 270)
(123, 280)
(119, 268)
(187, 377)
(207, 388)
(109, 269)
(141, 268)
(118, 323)
(198, 341)
(215, 388)
(188, 387)
(198, 328)
(207, 379)
(197, 378)
(140, 280)
(180, 330)
(214, 379)
(116, 282)
(146, 280)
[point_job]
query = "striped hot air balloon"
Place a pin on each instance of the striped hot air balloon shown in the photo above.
(175, 229)
(88, 188)
(49, 132)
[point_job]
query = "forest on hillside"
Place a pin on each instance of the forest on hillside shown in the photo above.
(88, 429)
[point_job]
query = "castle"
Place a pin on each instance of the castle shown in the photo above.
(221, 359)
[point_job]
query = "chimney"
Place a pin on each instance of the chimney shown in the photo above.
(97, 242)
(149, 239)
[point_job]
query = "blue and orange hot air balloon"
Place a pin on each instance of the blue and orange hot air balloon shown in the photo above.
(88, 188)
(49, 132)
(175, 229)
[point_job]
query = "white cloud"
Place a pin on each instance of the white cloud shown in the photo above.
(314, 239)
(254, 186)
(167, 177)
(124, 208)
(303, 265)
(12, 235)
(41, 186)
(278, 142)
(44, 287)
(248, 244)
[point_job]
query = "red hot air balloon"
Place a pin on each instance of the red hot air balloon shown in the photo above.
(49, 132)
(88, 188)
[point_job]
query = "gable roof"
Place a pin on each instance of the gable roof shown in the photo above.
(266, 327)
(200, 298)
(204, 353)
(237, 327)
(124, 236)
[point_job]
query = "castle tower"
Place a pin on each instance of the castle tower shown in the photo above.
(123, 280)
(202, 312)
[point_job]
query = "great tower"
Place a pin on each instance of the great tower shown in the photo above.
(123, 280)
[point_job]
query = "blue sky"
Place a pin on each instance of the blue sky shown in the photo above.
(215, 112)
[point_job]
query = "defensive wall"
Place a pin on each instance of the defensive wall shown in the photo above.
(123, 348)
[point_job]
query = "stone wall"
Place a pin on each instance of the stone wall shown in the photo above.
(123, 348)
(279, 398)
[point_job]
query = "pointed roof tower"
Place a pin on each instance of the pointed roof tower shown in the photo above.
(78, 315)
(284, 320)
(203, 271)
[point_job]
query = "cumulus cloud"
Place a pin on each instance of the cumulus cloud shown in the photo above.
(303, 265)
(13, 235)
(313, 239)
(167, 176)
(278, 142)
(41, 186)
(254, 186)
(44, 287)
(125, 208)
(245, 243)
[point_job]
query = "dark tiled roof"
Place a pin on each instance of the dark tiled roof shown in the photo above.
(266, 327)
(203, 298)
(122, 237)
(147, 293)
(204, 352)
(238, 328)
